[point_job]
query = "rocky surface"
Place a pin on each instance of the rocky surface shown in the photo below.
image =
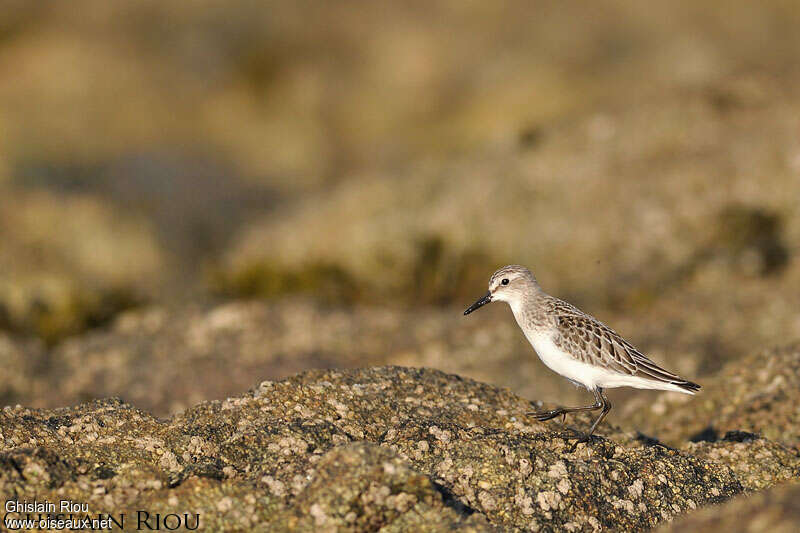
(758, 462)
(386, 447)
(165, 359)
(758, 394)
(776, 511)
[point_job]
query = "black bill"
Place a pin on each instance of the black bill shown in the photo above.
(483, 300)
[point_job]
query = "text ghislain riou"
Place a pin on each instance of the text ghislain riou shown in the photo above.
(46, 506)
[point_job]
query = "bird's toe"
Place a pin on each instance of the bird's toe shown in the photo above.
(543, 416)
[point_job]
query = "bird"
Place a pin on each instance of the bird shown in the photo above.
(576, 345)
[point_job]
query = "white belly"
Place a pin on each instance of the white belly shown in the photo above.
(589, 376)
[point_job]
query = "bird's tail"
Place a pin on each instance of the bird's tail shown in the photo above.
(689, 386)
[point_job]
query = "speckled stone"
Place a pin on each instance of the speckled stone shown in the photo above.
(759, 463)
(776, 510)
(758, 394)
(390, 447)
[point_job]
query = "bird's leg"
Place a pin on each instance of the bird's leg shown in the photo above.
(606, 408)
(541, 416)
(601, 402)
(605, 405)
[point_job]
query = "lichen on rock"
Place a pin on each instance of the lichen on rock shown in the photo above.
(386, 447)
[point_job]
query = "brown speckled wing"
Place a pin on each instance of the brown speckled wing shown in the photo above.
(590, 341)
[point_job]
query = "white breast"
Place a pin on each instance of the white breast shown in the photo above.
(564, 364)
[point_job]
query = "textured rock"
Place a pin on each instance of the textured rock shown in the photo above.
(758, 394)
(366, 487)
(27, 364)
(758, 462)
(167, 359)
(164, 359)
(773, 511)
(382, 447)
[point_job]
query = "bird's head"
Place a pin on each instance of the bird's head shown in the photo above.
(509, 284)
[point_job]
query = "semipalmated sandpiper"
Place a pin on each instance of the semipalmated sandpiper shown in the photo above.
(576, 345)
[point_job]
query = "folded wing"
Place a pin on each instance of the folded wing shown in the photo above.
(590, 341)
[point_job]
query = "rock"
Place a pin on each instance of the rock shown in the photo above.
(365, 487)
(759, 394)
(388, 447)
(167, 359)
(25, 361)
(757, 462)
(773, 511)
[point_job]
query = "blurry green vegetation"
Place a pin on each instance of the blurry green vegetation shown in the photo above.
(71, 262)
(438, 275)
(52, 319)
(327, 282)
(752, 237)
(442, 275)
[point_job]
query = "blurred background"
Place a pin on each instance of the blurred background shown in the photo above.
(196, 197)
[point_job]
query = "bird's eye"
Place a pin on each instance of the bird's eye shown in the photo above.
(505, 281)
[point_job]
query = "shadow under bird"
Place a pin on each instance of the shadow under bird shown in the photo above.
(576, 345)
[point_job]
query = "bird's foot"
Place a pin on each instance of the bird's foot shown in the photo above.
(542, 416)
